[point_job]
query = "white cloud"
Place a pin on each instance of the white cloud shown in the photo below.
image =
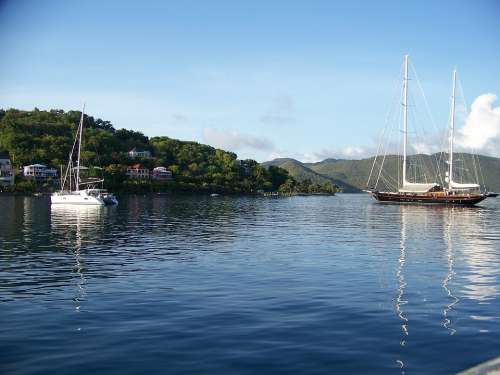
(481, 131)
(423, 148)
(348, 152)
(234, 141)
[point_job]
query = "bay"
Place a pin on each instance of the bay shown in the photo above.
(195, 284)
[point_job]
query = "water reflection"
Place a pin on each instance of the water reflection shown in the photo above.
(401, 281)
(479, 248)
(457, 240)
(70, 224)
(448, 226)
(317, 282)
(74, 225)
(20, 219)
(400, 301)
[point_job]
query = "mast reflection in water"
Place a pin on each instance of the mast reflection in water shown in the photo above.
(247, 285)
(74, 225)
(470, 257)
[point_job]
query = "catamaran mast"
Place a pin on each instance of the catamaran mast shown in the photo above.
(452, 129)
(80, 129)
(405, 117)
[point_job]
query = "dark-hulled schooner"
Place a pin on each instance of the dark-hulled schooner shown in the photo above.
(454, 193)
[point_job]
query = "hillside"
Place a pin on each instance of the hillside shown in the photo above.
(297, 169)
(302, 172)
(46, 137)
(354, 173)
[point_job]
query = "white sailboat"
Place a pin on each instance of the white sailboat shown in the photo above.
(71, 192)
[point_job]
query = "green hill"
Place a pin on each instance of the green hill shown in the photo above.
(353, 174)
(47, 137)
(302, 172)
(298, 170)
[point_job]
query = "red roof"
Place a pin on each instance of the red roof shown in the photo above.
(137, 166)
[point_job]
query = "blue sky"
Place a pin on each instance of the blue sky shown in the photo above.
(305, 79)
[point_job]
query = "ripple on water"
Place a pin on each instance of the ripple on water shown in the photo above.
(244, 285)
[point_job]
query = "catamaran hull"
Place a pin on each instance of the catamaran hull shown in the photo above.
(463, 200)
(76, 200)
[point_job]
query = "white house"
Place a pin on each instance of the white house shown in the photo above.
(162, 173)
(39, 172)
(134, 153)
(6, 173)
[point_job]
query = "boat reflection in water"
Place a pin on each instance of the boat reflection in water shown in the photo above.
(452, 242)
(74, 225)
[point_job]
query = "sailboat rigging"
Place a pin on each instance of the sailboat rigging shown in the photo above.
(70, 192)
(429, 192)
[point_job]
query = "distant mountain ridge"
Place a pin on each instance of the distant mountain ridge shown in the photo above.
(301, 171)
(352, 175)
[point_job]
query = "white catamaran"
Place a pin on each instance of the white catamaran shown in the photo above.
(71, 192)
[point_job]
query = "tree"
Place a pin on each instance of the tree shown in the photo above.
(48, 136)
(278, 176)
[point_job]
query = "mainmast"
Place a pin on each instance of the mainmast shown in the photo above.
(405, 117)
(80, 129)
(452, 129)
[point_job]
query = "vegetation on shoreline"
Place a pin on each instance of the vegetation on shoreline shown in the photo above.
(46, 137)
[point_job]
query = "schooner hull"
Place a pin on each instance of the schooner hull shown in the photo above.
(429, 198)
(415, 192)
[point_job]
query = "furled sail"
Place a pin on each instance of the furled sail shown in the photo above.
(410, 187)
(455, 185)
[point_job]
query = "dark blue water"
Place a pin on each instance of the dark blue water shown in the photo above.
(200, 285)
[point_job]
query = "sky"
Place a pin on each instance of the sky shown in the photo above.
(264, 79)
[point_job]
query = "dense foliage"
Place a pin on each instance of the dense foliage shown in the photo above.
(47, 137)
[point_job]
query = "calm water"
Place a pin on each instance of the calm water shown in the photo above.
(200, 285)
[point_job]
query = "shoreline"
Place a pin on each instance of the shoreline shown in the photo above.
(199, 193)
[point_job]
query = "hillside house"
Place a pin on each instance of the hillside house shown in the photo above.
(137, 171)
(39, 172)
(134, 153)
(162, 174)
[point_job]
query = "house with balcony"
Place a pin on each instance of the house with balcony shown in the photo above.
(162, 174)
(6, 173)
(137, 171)
(135, 153)
(39, 172)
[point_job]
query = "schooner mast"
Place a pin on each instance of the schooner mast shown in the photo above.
(454, 186)
(452, 130)
(405, 117)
